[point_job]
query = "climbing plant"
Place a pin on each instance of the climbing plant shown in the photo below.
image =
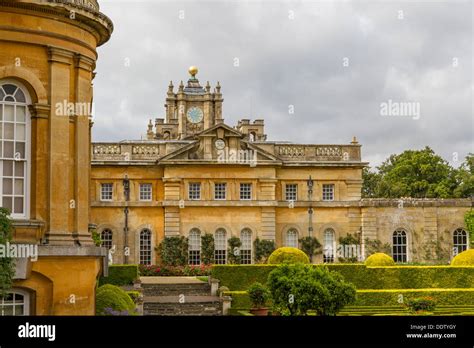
(233, 251)
(263, 248)
(7, 265)
(207, 249)
(469, 220)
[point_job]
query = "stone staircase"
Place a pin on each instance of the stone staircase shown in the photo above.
(178, 296)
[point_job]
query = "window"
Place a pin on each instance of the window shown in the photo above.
(220, 247)
(328, 254)
(106, 238)
(194, 241)
(106, 192)
(459, 241)
(328, 192)
(14, 145)
(399, 251)
(194, 192)
(145, 247)
(15, 303)
(145, 192)
(292, 238)
(220, 191)
(291, 192)
(245, 191)
(246, 248)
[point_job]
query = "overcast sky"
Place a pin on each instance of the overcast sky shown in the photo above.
(335, 63)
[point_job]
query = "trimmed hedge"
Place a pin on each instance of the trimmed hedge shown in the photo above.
(240, 277)
(288, 255)
(382, 298)
(111, 298)
(466, 258)
(379, 259)
(120, 275)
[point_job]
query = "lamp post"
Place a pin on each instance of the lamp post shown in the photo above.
(310, 184)
(126, 190)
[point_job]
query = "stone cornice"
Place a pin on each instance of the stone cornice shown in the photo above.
(83, 62)
(416, 202)
(39, 110)
(60, 55)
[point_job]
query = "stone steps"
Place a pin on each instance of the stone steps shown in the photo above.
(202, 308)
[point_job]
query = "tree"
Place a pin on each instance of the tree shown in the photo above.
(351, 245)
(311, 246)
(7, 265)
(371, 183)
(298, 288)
(207, 249)
(263, 249)
(413, 173)
(173, 251)
(465, 178)
(233, 251)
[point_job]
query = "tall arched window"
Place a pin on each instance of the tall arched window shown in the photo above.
(106, 238)
(459, 241)
(220, 247)
(194, 242)
(399, 249)
(14, 149)
(145, 247)
(246, 248)
(329, 247)
(16, 302)
(292, 238)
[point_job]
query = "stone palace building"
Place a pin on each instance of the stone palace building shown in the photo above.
(195, 174)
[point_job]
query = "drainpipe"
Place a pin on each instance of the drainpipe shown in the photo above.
(126, 188)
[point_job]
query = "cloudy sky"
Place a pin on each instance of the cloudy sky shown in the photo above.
(337, 64)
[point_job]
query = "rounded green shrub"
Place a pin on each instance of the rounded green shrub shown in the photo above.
(288, 255)
(112, 300)
(379, 259)
(466, 258)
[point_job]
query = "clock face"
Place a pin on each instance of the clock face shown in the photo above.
(219, 144)
(194, 115)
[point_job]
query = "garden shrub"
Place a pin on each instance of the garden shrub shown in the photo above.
(349, 241)
(425, 303)
(120, 275)
(310, 246)
(298, 288)
(379, 259)
(288, 255)
(134, 295)
(207, 249)
(111, 300)
(258, 295)
(263, 249)
(173, 251)
(165, 271)
(466, 258)
(233, 251)
(240, 277)
(7, 265)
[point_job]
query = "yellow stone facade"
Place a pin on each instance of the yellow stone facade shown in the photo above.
(48, 51)
(193, 145)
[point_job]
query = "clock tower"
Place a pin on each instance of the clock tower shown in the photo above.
(189, 111)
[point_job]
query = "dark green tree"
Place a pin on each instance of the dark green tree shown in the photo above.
(7, 265)
(207, 249)
(465, 178)
(371, 183)
(233, 250)
(352, 242)
(263, 249)
(310, 246)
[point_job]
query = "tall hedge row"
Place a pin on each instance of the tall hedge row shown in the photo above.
(120, 275)
(240, 277)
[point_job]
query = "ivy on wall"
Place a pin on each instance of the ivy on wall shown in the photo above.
(7, 265)
(469, 220)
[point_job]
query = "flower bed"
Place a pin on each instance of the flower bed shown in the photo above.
(167, 271)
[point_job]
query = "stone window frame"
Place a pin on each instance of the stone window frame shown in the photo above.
(246, 250)
(145, 253)
(329, 257)
(193, 193)
(106, 242)
(328, 192)
(25, 178)
(292, 192)
(220, 246)
(143, 193)
(404, 253)
(247, 193)
(25, 302)
(289, 240)
(194, 246)
(218, 192)
(107, 191)
(457, 245)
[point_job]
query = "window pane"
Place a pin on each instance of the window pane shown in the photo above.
(20, 132)
(2, 94)
(7, 186)
(7, 310)
(19, 96)
(18, 205)
(20, 149)
(9, 115)
(20, 113)
(9, 89)
(8, 149)
(9, 131)
(18, 187)
(19, 169)
(7, 203)
(7, 168)
(19, 310)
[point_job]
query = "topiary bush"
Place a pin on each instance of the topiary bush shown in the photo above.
(298, 288)
(379, 259)
(111, 300)
(466, 258)
(288, 255)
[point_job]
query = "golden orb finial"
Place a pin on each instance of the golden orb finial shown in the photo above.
(193, 70)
